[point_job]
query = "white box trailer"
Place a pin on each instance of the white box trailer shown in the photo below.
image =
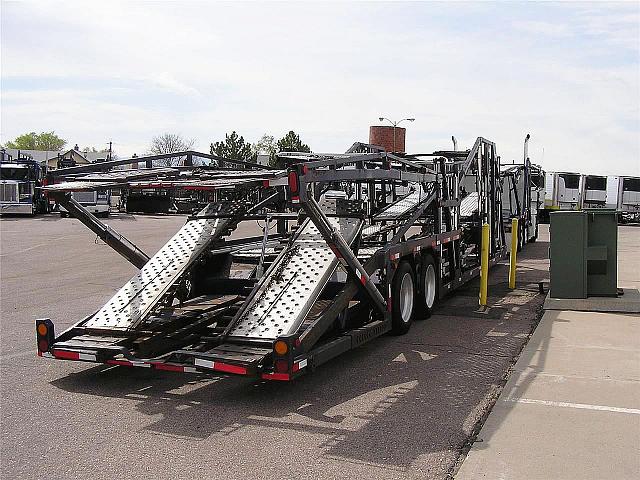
(594, 191)
(628, 205)
(563, 191)
(97, 202)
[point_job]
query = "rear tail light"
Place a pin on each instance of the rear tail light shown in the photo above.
(45, 335)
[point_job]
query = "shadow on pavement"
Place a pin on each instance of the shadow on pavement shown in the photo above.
(389, 402)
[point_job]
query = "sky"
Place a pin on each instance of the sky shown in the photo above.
(566, 73)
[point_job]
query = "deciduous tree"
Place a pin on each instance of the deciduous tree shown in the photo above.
(37, 141)
(170, 143)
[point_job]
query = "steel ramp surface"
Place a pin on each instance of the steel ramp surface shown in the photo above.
(293, 283)
(469, 205)
(402, 206)
(136, 299)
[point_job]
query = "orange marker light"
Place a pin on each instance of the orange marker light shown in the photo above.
(281, 347)
(42, 329)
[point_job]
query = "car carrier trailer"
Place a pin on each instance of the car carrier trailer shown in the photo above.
(366, 242)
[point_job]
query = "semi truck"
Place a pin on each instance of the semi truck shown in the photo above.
(367, 242)
(20, 182)
(523, 195)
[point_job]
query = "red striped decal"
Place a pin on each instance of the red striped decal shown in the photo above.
(225, 367)
(168, 367)
(66, 355)
(335, 251)
(276, 376)
(295, 199)
(265, 183)
(122, 363)
(363, 279)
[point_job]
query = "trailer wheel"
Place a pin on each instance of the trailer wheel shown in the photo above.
(403, 299)
(428, 287)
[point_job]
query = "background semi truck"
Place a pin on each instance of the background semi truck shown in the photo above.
(20, 182)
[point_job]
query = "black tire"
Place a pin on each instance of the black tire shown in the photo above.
(427, 294)
(403, 299)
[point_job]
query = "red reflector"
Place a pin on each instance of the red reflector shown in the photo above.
(169, 367)
(293, 182)
(282, 366)
(276, 376)
(43, 346)
(225, 367)
(66, 355)
(122, 363)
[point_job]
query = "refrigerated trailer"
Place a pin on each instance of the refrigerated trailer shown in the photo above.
(563, 191)
(628, 204)
(594, 191)
(366, 242)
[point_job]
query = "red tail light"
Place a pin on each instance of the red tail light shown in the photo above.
(293, 182)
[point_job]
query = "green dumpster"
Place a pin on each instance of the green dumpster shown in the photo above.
(583, 253)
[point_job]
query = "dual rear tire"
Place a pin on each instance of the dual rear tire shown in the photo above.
(410, 300)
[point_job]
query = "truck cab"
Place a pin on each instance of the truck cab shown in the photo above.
(19, 186)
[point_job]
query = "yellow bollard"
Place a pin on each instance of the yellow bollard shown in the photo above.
(484, 265)
(514, 253)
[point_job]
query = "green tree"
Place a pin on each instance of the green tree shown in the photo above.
(291, 143)
(266, 145)
(37, 141)
(234, 147)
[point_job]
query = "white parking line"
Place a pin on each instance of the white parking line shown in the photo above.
(584, 406)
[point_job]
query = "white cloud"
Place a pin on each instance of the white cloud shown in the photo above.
(568, 75)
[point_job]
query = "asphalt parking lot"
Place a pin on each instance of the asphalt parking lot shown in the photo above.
(399, 407)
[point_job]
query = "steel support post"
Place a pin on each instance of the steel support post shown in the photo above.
(514, 253)
(484, 264)
(343, 252)
(112, 238)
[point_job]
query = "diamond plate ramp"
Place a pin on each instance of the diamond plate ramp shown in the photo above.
(293, 283)
(135, 300)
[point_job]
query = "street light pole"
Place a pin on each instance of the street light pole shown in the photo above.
(395, 124)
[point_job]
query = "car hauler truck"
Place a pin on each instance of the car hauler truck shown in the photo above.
(523, 191)
(20, 182)
(355, 266)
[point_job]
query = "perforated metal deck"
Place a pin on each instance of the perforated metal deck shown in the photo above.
(469, 205)
(402, 206)
(294, 283)
(141, 294)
